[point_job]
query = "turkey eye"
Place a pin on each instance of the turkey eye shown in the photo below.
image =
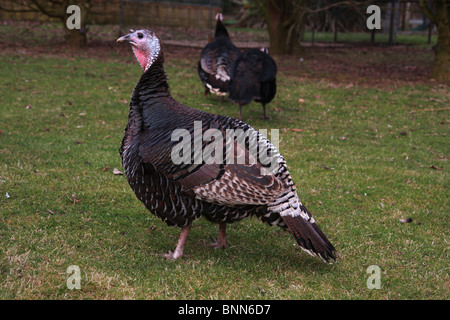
(140, 35)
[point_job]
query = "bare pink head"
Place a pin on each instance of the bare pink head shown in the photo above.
(145, 44)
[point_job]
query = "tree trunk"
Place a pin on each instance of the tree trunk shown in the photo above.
(76, 38)
(284, 21)
(441, 18)
(441, 68)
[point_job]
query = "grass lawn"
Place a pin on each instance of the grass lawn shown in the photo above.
(363, 155)
(405, 38)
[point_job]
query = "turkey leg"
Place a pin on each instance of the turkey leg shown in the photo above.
(265, 117)
(180, 245)
(221, 242)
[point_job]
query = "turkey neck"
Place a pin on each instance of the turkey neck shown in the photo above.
(221, 30)
(151, 98)
(153, 82)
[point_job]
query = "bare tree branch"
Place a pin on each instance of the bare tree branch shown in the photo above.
(16, 10)
(25, 7)
(335, 4)
(58, 14)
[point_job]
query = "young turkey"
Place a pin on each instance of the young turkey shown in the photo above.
(216, 59)
(161, 132)
(253, 77)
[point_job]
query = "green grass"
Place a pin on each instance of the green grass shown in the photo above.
(403, 38)
(362, 160)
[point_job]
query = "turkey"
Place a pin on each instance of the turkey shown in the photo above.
(216, 59)
(172, 157)
(253, 77)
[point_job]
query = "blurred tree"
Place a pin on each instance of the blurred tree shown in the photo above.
(55, 9)
(440, 16)
(285, 19)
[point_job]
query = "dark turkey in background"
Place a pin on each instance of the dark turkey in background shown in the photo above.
(253, 77)
(216, 59)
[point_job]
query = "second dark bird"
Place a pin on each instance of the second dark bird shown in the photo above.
(253, 77)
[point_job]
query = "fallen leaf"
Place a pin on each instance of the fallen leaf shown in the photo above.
(436, 168)
(296, 130)
(75, 198)
(105, 168)
(117, 171)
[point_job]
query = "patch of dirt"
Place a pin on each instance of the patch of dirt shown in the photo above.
(354, 64)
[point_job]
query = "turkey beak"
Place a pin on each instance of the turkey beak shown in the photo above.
(126, 38)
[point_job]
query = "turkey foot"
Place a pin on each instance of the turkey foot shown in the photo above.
(173, 256)
(180, 245)
(221, 241)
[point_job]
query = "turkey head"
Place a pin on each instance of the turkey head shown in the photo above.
(146, 46)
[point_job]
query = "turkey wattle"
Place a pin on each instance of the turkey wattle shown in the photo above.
(222, 192)
(216, 59)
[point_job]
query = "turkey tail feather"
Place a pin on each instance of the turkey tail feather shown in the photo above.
(310, 238)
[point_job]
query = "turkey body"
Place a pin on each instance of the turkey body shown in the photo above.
(253, 77)
(224, 190)
(175, 193)
(216, 59)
